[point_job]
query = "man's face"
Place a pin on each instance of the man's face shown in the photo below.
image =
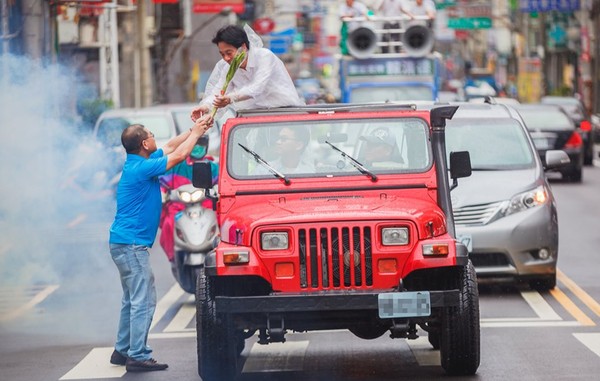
(287, 142)
(377, 152)
(227, 51)
(149, 143)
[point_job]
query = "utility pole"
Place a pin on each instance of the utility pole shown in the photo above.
(144, 56)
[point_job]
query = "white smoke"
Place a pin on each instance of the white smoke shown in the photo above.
(54, 196)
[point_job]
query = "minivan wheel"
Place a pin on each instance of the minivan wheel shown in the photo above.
(543, 284)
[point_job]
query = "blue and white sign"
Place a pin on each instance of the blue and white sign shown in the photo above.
(549, 5)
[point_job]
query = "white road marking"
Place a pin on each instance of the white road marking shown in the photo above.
(539, 305)
(289, 357)
(166, 302)
(590, 340)
(184, 316)
(14, 308)
(423, 351)
(95, 365)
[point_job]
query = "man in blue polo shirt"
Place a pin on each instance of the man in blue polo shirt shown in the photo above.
(133, 232)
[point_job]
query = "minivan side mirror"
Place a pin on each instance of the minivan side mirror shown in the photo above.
(202, 175)
(555, 159)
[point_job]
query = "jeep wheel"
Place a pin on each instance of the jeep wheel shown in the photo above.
(434, 339)
(217, 355)
(459, 337)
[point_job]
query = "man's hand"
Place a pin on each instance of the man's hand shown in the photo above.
(222, 101)
(203, 124)
(198, 112)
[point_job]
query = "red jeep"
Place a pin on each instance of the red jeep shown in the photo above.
(336, 217)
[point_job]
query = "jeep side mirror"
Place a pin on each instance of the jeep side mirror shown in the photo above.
(202, 175)
(460, 166)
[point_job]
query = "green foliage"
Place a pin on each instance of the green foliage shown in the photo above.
(90, 109)
(563, 91)
(233, 66)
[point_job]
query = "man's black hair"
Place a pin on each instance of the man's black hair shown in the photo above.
(132, 138)
(232, 35)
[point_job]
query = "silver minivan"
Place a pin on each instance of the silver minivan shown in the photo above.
(504, 212)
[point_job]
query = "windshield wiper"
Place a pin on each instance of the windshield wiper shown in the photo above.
(355, 163)
(265, 164)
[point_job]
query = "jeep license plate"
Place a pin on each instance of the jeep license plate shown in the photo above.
(404, 304)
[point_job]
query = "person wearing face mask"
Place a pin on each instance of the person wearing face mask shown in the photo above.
(174, 178)
(261, 81)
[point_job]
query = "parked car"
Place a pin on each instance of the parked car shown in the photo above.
(164, 121)
(505, 211)
(577, 111)
(552, 128)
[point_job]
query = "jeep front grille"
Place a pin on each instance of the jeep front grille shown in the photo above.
(476, 214)
(335, 257)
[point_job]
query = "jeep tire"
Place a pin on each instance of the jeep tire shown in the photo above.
(217, 352)
(460, 336)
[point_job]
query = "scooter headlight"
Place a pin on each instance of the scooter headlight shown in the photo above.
(194, 196)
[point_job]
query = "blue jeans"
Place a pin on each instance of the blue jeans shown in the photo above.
(139, 299)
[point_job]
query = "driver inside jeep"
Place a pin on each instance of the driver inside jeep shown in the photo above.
(289, 152)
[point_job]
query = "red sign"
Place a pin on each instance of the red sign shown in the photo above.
(263, 25)
(216, 6)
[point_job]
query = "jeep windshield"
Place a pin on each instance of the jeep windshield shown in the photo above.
(329, 148)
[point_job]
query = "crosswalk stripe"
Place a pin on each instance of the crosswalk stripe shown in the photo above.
(95, 365)
(590, 340)
(166, 302)
(290, 357)
(424, 352)
(38, 297)
(183, 317)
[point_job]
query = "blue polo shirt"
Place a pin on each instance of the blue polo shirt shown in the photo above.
(138, 200)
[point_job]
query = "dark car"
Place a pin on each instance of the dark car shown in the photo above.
(577, 111)
(551, 128)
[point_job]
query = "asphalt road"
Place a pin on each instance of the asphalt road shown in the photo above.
(60, 293)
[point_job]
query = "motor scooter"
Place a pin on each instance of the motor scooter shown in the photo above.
(195, 233)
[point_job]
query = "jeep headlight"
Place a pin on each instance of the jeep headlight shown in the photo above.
(524, 201)
(395, 236)
(188, 197)
(274, 241)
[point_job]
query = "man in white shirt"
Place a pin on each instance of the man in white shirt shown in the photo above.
(289, 147)
(261, 81)
(390, 8)
(348, 10)
(420, 8)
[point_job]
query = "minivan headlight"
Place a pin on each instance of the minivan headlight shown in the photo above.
(526, 200)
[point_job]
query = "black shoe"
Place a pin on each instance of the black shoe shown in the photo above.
(143, 366)
(117, 358)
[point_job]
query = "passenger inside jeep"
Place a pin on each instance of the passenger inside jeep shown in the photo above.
(380, 149)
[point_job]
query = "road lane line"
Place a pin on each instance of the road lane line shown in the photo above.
(424, 352)
(539, 305)
(95, 365)
(530, 324)
(281, 357)
(184, 316)
(38, 298)
(579, 292)
(571, 307)
(590, 340)
(166, 302)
